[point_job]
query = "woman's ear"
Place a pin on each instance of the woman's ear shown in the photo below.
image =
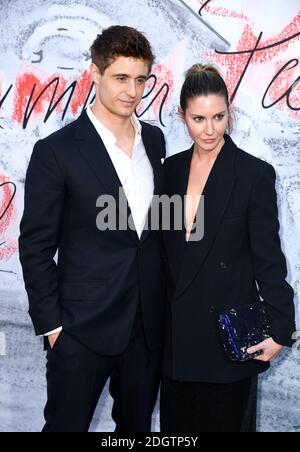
(231, 119)
(181, 115)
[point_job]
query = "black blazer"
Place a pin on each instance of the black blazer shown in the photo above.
(94, 289)
(241, 247)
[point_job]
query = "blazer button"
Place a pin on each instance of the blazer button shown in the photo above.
(212, 309)
(223, 266)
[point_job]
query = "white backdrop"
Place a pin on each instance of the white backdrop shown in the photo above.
(44, 84)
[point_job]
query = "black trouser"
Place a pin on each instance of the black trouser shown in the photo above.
(76, 377)
(208, 408)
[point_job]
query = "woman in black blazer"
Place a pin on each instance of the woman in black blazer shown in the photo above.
(238, 261)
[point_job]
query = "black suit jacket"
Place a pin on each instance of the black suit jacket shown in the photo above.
(94, 289)
(238, 260)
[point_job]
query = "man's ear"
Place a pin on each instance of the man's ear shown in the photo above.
(181, 115)
(95, 73)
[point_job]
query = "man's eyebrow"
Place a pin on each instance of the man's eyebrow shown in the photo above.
(145, 77)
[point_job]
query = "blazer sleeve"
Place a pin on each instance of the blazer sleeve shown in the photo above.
(39, 237)
(268, 260)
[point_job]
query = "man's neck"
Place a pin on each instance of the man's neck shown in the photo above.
(118, 125)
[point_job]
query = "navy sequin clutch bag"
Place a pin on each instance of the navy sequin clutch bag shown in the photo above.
(243, 327)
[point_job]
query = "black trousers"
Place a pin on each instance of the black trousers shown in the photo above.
(208, 408)
(76, 377)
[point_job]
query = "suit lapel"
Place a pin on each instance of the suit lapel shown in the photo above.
(177, 184)
(94, 152)
(216, 193)
(154, 158)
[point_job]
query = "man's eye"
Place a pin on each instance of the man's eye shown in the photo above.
(220, 117)
(141, 81)
(198, 119)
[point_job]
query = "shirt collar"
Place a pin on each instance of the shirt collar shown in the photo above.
(106, 134)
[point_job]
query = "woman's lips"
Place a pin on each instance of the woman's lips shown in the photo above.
(208, 141)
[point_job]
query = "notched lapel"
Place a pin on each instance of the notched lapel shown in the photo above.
(154, 158)
(94, 152)
(177, 177)
(217, 194)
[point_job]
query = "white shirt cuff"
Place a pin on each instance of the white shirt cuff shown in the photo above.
(58, 330)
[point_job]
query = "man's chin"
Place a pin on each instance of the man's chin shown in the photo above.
(126, 112)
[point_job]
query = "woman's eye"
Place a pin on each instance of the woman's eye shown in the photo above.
(198, 119)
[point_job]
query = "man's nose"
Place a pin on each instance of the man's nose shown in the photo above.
(131, 89)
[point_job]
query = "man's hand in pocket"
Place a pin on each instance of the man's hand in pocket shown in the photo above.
(52, 339)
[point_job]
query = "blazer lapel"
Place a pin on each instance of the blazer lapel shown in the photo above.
(94, 152)
(154, 158)
(177, 184)
(216, 194)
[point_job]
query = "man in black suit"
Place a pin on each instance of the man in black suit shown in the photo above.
(100, 307)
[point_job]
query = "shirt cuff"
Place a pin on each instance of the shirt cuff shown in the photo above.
(58, 330)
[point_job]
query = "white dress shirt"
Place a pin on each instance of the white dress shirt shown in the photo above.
(135, 173)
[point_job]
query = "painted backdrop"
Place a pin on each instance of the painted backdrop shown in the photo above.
(45, 83)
